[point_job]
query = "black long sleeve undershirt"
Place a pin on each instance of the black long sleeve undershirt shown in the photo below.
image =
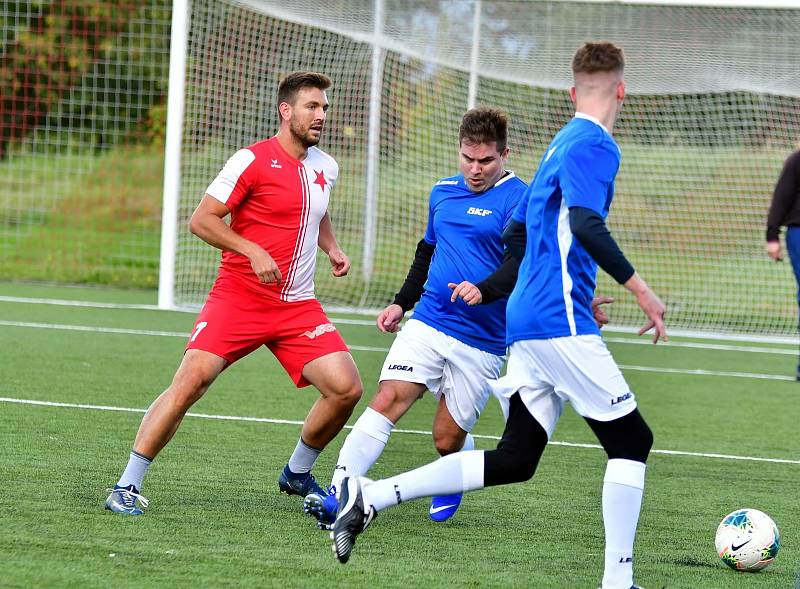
(412, 288)
(515, 237)
(501, 282)
(590, 230)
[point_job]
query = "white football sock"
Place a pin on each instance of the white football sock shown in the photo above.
(303, 457)
(469, 443)
(362, 446)
(454, 473)
(623, 487)
(135, 471)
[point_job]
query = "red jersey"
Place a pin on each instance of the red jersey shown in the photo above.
(277, 202)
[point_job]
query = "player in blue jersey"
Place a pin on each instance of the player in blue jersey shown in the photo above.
(455, 341)
(556, 353)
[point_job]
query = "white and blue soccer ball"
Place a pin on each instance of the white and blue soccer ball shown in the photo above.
(747, 540)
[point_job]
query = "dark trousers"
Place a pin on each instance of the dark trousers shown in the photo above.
(793, 249)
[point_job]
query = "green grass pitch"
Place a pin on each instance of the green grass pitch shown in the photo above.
(217, 520)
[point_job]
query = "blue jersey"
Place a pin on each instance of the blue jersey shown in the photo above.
(556, 281)
(466, 228)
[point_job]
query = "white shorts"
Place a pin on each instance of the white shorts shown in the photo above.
(549, 372)
(446, 366)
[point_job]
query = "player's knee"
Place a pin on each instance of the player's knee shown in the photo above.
(628, 437)
(642, 442)
(348, 394)
(447, 442)
(187, 390)
(507, 465)
(393, 401)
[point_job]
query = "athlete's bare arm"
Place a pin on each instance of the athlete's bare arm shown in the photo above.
(328, 244)
(207, 223)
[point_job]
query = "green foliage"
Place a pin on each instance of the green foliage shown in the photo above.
(91, 69)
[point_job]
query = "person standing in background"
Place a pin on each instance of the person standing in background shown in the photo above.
(785, 210)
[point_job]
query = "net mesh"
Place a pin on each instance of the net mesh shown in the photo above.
(712, 111)
(711, 114)
(82, 111)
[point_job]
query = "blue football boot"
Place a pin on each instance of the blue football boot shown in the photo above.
(443, 507)
(323, 507)
(124, 499)
(298, 484)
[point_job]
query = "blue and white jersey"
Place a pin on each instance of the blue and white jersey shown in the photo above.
(466, 228)
(556, 282)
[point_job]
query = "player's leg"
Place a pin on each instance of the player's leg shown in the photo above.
(587, 375)
(336, 378)
(627, 441)
(370, 433)
(462, 397)
(793, 249)
(364, 444)
(312, 352)
(514, 460)
(222, 334)
(414, 364)
(449, 436)
(197, 371)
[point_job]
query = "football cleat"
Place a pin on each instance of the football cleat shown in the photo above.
(322, 507)
(298, 484)
(351, 519)
(443, 507)
(124, 499)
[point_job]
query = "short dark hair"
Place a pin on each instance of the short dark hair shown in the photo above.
(484, 125)
(291, 84)
(600, 56)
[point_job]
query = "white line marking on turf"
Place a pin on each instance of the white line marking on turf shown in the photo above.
(721, 347)
(370, 323)
(146, 332)
(93, 329)
(69, 303)
(402, 431)
(701, 372)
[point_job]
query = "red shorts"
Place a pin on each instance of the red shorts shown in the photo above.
(234, 323)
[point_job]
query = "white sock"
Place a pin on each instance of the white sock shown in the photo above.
(362, 446)
(469, 443)
(303, 457)
(623, 487)
(454, 473)
(135, 471)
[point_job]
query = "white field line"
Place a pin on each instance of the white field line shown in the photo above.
(369, 323)
(402, 431)
(146, 332)
(68, 303)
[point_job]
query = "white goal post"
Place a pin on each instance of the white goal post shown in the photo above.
(713, 110)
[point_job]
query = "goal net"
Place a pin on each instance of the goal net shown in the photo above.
(711, 114)
(82, 111)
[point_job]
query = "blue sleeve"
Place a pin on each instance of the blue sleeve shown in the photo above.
(522, 208)
(430, 234)
(585, 173)
(513, 203)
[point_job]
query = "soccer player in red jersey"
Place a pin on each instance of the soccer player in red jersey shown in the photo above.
(276, 192)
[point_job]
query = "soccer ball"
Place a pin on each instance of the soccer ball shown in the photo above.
(747, 540)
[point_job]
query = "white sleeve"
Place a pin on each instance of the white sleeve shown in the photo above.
(223, 185)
